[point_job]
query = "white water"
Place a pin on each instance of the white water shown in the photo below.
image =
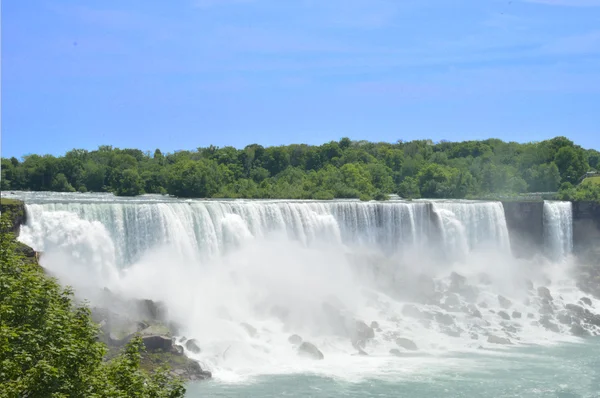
(282, 265)
(558, 229)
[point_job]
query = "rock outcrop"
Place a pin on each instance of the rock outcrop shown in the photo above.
(309, 350)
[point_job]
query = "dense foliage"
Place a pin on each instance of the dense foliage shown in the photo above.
(342, 169)
(49, 347)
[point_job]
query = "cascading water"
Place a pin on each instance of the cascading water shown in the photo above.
(558, 229)
(429, 271)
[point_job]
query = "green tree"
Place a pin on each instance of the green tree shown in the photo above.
(571, 163)
(49, 346)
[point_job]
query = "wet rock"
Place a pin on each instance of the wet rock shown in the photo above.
(444, 319)
(361, 334)
(586, 300)
(452, 331)
(510, 329)
(517, 315)
(407, 344)
(374, 325)
(504, 302)
(530, 315)
(474, 336)
(473, 311)
(361, 352)
(504, 315)
(151, 310)
(295, 339)
(498, 340)
(157, 343)
(192, 346)
(546, 322)
(546, 308)
(564, 318)
(452, 302)
(309, 350)
(528, 284)
(396, 352)
(579, 331)
(457, 282)
(177, 349)
(544, 293)
(483, 304)
(251, 330)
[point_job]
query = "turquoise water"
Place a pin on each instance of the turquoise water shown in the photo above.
(563, 371)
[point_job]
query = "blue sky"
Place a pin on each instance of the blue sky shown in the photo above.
(187, 73)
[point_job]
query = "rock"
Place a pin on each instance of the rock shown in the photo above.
(361, 352)
(474, 336)
(529, 284)
(309, 350)
(546, 308)
(251, 330)
(586, 300)
(516, 315)
(151, 310)
(407, 344)
(195, 372)
(157, 343)
(483, 304)
(363, 331)
(295, 339)
(498, 340)
(444, 319)
(530, 315)
(396, 352)
(564, 318)
(579, 331)
(546, 322)
(176, 349)
(457, 282)
(192, 346)
(503, 315)
(452, 332)
(374, 325)
(544, 292)
(504, 302)
(473, 311)
(412, 311)
(452, 301)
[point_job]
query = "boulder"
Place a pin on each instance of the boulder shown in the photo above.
(546, 322)
(504, 315)
(452, 301)
(544, 293)
(192, 346)
(251, 330)
(546, 308)
(195, 371)
(457, 282)
(407, 344)
(528, 284)
(586, 300)
(309, 350)
(498, 340)
(530, 315)
(151, 310)
(374, 325)
(564, 318)
(444, 319)
(516, 315)
(579, 331)
(295, 339)
(363, 331)
(157, 343)
(395, 352)
(504, 302)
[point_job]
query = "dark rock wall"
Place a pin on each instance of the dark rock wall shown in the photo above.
(586, 227)
(525, 222)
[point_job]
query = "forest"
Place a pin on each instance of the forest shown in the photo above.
(337, 169)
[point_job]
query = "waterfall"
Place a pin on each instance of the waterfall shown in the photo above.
(558, 229)
(205, 229)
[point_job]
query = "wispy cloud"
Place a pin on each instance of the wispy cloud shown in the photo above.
(587, 43)
(567, 3)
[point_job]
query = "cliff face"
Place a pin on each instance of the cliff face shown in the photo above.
(16, 213)
(525, 222)
(586, 226)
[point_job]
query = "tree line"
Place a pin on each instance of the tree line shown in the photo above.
(337, 169)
